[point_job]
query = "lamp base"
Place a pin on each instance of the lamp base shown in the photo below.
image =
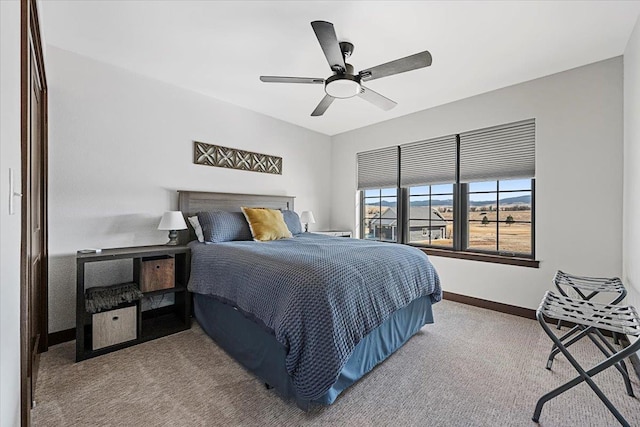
(173, 238)
(306, 228)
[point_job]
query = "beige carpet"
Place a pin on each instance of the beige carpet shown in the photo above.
(473, 367)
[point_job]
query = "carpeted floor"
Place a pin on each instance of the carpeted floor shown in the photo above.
(473, 367)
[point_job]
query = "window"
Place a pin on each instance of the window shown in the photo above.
(378, 182)
(469, 192)
(431, 215)
(380, 219)
(499, 217)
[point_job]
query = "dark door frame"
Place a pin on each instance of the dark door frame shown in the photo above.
(30, 40)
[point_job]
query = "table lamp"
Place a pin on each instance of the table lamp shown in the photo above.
(307, 218)
(172, 221)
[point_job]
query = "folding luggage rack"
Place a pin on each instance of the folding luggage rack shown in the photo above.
(589, 318)
(585, 288)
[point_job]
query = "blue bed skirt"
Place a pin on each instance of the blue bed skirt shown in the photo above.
(258, 350)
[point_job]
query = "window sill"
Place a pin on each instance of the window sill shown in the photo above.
(473, 256)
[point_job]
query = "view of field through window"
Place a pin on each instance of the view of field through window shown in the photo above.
(431, 215)
(498, 217)
(380, 214)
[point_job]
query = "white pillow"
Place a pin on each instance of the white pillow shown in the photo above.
(196, 227)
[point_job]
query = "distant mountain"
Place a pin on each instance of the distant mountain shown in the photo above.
(520, 200)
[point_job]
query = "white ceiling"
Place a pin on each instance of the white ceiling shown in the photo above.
(220, 48)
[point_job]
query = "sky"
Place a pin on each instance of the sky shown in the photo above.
(477, 191)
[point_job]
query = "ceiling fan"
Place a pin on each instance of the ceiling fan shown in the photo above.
(344, 83)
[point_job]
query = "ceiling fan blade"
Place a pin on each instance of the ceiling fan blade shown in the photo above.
(413, 62)
(322, 107)
(376, 99)
(281, 79)
(329, 43)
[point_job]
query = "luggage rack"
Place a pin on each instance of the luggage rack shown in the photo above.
(586, 288)
(594, 285)
(590, 317)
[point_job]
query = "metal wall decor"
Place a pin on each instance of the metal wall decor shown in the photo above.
(225, 157)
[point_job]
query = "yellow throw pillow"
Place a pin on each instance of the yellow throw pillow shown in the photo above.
(266, 224)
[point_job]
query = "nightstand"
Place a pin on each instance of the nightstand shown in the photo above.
(335, 233)
(157, 270)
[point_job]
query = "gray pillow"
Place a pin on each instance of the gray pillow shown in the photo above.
(293, 222)
(222, 226)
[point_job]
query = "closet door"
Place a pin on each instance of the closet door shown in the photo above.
(34, 324)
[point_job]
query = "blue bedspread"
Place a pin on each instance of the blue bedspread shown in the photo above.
(319, 295)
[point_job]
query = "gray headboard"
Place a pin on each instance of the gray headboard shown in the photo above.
(192, 202)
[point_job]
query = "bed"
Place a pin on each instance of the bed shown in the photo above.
(311, 314)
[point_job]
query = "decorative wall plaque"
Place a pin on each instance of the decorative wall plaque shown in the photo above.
(225, 157)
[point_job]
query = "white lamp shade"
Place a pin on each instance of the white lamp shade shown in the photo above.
(306, 217)
(172, 220)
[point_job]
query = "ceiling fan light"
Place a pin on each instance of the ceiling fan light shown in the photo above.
(342, 88)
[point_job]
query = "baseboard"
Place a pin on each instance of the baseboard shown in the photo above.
(490, 305)
(62, 336)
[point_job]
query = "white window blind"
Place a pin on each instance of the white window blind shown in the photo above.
(500, 152)
(428, 162)
(378, 168)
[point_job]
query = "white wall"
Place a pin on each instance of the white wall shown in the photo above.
(578, 176)
(631, 222)
(9, 225)
(121, 145)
